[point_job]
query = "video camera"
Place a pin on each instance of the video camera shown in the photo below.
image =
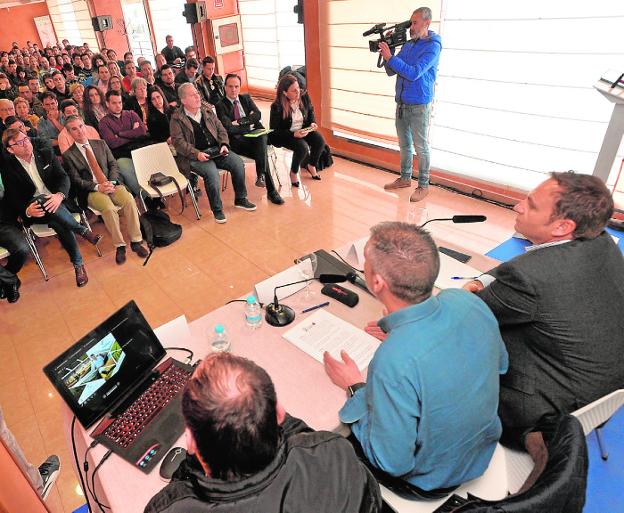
(397, 38)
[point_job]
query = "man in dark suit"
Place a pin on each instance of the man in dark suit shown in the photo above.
(36, 186)
(560, 305)
(239, 115)
(94, 174)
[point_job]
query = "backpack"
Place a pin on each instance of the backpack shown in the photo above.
(158, 230)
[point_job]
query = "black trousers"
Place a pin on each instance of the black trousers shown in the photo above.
(306, 150)
(397, 485)
(12, 239)
(255, 148)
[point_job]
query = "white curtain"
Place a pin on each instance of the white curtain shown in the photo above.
(272, 38)
(72, 21)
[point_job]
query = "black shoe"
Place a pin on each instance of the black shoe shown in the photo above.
(12, 291)
(294, 184)
(260, 182)
(220, 217)
(245, 204)
(49, 471)
(120, 255)
(275, 198)
(139, 249)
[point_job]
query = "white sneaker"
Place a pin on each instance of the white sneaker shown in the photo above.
(49, 471)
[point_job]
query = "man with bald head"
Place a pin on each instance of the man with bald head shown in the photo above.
(425, 421)
(248, 454)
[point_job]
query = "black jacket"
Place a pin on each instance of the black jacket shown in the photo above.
(313, 472)
(158, 124)
(561, 315)
(225, 113)
(20, 189)
(281, 126)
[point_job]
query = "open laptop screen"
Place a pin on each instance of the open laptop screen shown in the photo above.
(101, 368)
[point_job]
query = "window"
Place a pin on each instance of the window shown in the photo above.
(72, 21)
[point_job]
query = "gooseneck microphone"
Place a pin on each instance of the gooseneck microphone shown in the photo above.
(282, 315)
(459, 219)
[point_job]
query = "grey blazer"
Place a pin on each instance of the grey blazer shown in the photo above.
(80, 173)
(561, 315)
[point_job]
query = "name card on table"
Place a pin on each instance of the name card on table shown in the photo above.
(264, 289)
(356, 251)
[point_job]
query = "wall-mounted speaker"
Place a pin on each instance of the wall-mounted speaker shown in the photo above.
(195, 13)
(102, 23)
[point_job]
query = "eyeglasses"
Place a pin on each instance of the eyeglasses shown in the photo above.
(21, 142)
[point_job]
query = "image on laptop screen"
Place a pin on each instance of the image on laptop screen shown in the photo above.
(105, 365)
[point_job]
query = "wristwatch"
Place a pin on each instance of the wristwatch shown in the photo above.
(351, 389)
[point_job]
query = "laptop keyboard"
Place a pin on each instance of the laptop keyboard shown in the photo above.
(128, 426)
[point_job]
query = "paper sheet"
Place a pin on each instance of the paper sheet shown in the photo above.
(174, 333)
(323, 331)
(450, 267)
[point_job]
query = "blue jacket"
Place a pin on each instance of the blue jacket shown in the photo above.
(417, 67)
(428, 412)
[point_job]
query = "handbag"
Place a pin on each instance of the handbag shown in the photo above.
(158, 179)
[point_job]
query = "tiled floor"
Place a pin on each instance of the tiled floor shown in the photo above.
(208, 266)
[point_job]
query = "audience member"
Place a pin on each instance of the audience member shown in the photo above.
(94, 174)
(160, 60)
(87, 68)
(69, 108)
(6, 90)
(7, 108)
(60, 87)
(188, 73)
(36, 186)
(34, 104)
(77, 94)
(168, 86)
(123, 131)
(22, 111)
(114, 69)
(112, 57)
(209, 85)
(172, 54)
(232, 111)
(559, 306)
(93, 106)
(131, 74)
(23, 126)
(158, 115)
(114, 84)
(147, 72)
(103, 78)
(425, 420)
(202, 147)
(68, 73)
(52, 121)
(190, 53)
(247, 454)
(137, 101)
(294, 127)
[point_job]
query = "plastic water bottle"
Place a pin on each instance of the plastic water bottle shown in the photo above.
(253, 313)
(220, 340)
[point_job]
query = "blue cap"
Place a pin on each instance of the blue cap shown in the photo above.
(219, 328)
(251, 300)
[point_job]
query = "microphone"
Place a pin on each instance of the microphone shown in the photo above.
(459, 219)
(375, 29)
(358, 281)
(282, 315)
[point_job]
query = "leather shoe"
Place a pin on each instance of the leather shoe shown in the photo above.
(260, 182)
(294, 184)
(120, 255)
(139, 249)
(399, 183)
(420, 193)
(81, 275)
(91, 237)
(275, 198)
(12, 291)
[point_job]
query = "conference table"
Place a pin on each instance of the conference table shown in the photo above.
(301, 383)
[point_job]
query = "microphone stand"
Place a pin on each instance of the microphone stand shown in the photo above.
(281, 315)
(460, 219)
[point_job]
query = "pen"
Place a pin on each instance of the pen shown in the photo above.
(465, 277)
(315, 307)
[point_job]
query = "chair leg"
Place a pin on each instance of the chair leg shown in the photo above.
(603, 453)
(142, 201)
(85, 221)
(194, 200)
(33, 250)
(273, 160)
(224, 183)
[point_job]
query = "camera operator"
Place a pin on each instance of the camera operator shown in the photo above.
(416, 68)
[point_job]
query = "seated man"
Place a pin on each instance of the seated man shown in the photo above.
(168, 85)
(209, 84)
(173, 54)
(65, 140)
(11, 239)
(35, 187)
(231, 111)
(188, 73)
(93, 173)
(194, 131)
(7, 109)
(60, 86)
(24, 90)
(51, 124)
(426, 419)
(247, 454)
(559, 306)
(123, 131)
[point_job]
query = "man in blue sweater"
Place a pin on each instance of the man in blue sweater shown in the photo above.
(426, 419)
(416, 67)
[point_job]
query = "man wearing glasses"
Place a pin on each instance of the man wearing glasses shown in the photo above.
(35, 187)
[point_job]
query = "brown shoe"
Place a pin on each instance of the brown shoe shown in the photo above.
(81, 275)
(419, 194)
(399, 183)
(91, 237)
(139, 249)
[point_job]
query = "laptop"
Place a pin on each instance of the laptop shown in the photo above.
(116, 375)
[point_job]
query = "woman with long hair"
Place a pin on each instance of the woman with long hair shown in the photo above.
(158, 115)
(138, 98)
(114, 84)
(22, 111)
(94, 106)
(294, 127)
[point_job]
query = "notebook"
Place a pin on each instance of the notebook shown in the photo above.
(115, 375)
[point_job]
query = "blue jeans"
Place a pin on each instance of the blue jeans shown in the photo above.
(127, 175)
(209, 171)
(412, 126)
(65, 226)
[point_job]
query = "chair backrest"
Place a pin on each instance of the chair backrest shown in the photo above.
(594, 414)
(153, 158)
(3, 253)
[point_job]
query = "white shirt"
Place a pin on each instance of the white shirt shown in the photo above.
(196, 116)
(297, 120)
(240, 107)
(487, 279)
(33, 172)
